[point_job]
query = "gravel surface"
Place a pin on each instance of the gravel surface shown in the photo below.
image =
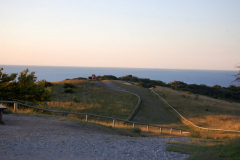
(31, 137)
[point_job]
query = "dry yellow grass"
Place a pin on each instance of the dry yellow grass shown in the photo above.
(203, 111)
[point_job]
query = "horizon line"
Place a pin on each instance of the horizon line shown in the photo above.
(1, 65)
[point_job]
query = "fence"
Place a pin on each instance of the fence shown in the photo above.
(208, 129)
(160, 128)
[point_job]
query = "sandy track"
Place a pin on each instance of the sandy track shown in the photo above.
(32, 137)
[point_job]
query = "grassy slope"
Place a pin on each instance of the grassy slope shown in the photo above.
(92, 97)
(152, 110)
(203, 111)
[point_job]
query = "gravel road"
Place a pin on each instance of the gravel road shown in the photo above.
(37, 138)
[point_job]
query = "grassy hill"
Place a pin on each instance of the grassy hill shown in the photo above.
(91, 97)
(97, 97)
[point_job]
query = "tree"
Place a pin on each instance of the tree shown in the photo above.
(8, 85)
(26, 88)
(237, 75)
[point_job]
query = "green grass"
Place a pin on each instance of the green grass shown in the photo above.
(91, 97)
(152, 110)
(209, 149)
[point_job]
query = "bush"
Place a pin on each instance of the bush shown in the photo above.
(68, 90)
(107, 77)
(75, 98)
(68, 85)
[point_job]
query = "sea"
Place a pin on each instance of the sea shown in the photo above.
(59, 73)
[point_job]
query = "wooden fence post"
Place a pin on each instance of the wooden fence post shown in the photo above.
(86, 117)
(147, 127)
(113, 123)
(15, 108)
(133, 125)
(160, 129)
(171, 131)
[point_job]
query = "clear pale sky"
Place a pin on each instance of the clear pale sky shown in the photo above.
(174, 34)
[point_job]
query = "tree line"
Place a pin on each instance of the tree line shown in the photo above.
(231, 93)
(24, 87)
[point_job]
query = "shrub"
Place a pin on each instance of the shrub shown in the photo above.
(68, 85)
(75, 98)
(107, 77)
(68, 90)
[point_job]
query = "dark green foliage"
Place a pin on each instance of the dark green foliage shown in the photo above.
(75, 99)
(237, 75)
(145, 85)
(230, 93)
(107, 77)
(142, 82)
(25, 89)
(68, 90)
(68, 85)
(48, 84)
(129, 78)
(80, 78)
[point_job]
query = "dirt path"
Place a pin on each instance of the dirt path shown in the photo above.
(32, 137)
(112, 86)
(153, 111)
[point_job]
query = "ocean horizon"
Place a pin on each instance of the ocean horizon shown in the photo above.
(223, 78)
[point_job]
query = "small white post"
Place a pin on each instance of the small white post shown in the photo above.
(15, 108)
(147, 127)
(171, 131)
(133, 125)
(86, 117)
(160, 129)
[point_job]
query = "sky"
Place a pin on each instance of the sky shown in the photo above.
(172, 34)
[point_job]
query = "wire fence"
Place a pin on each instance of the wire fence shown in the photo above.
(160, 129)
